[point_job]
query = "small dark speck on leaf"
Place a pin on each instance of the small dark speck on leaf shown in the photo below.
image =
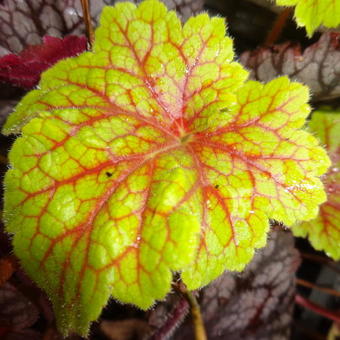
(217, 186)
(108, 174)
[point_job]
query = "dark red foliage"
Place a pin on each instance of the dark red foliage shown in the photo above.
(24, 70)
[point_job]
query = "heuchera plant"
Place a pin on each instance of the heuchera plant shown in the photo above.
(313, 13)
(324, 232)
(151, 155)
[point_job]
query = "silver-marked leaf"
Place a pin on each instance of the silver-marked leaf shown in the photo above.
(256, 304)
(25, 22)
(318, 66)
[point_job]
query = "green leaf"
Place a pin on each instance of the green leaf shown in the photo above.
(324, 231)
(313, 13)
(152, 155)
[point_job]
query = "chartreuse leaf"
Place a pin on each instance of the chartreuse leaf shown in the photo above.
(324, 231)
(148, 156)
(313, 13)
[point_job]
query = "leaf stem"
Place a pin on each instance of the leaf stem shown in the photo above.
(308, 284)
(274, 34)
(321, 259)
(88, 22)
(199, 329)
(8, 266)
(300, 300)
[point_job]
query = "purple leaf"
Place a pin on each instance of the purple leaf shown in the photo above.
(318, 66)
(256, 304)
(24, 23)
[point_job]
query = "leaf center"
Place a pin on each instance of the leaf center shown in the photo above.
(186, 138)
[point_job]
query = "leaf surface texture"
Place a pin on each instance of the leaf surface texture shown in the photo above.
(153, 155)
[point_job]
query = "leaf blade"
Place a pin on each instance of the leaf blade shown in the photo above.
(128, 163)
(261, 177)
(313, 13)
(323, 231)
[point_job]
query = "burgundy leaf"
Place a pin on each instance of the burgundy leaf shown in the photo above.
(24, 70)
(318, 66)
